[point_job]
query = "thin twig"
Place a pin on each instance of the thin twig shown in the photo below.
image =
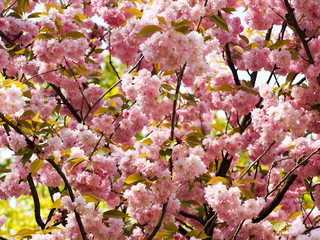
(76, 80)
(174, 111)
(238, 230)
(299, 163)
(40, 74)
(206, 225)
(109, 90)
(199, 22)
(257, 160)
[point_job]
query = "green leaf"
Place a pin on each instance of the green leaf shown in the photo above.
(171, 227)
(228, 10)
(253, 45)
(90, 197)
(220, 22)
(165, 154)
(133, 179)
(58, 25)
(248, 180)
(44, 36)
(217, 126)
(192, 202)
(280, 44)
(101, 111)
(80, 16)
(163, 234)
(276, 208)
(4, 170)
(316, 107)
(247, 193)
(135, 12)
(217, 179)
(291, 76)
(167, 87)
(148, 30)
(195, 134)
(205, 177)
(162, 20)
(239, 49)
(172, 97)
(26, 157)
(192, 141)
(293, 215)
(278, 226)
(36, 165)
(56, 204)
(147, 141)
(130, 225)
(82, 69)
(36, 14)
(50, 229)
(75, 165)
(244, 38)
(75, 35)
(25, 232)
(223, 88)
(114, 214)
(23, 4)
(248, 90)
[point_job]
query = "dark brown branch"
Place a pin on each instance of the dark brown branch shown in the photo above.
(200, 20)
(50, 215)
(182, 231)
(231, 65)
(30, 143)
(276, 201)
(164, 207)
(37, 213)
(188, 215)
(291, 19)
(224, 166)
(173, 117)
(156, 229)
(66, 102)
(68, 186)
(5, 37)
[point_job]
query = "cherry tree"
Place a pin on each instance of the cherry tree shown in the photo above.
(189, 141)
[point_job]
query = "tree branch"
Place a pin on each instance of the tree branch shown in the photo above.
(238, 230)
(156, 229)
(66, 102)
(36, 202)
(30, 143)
(276, 201)
(110, 89)
(188, 215)
(257, 160)
(78, 218)
(231, 65)
(291, 19)
(174, 111)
